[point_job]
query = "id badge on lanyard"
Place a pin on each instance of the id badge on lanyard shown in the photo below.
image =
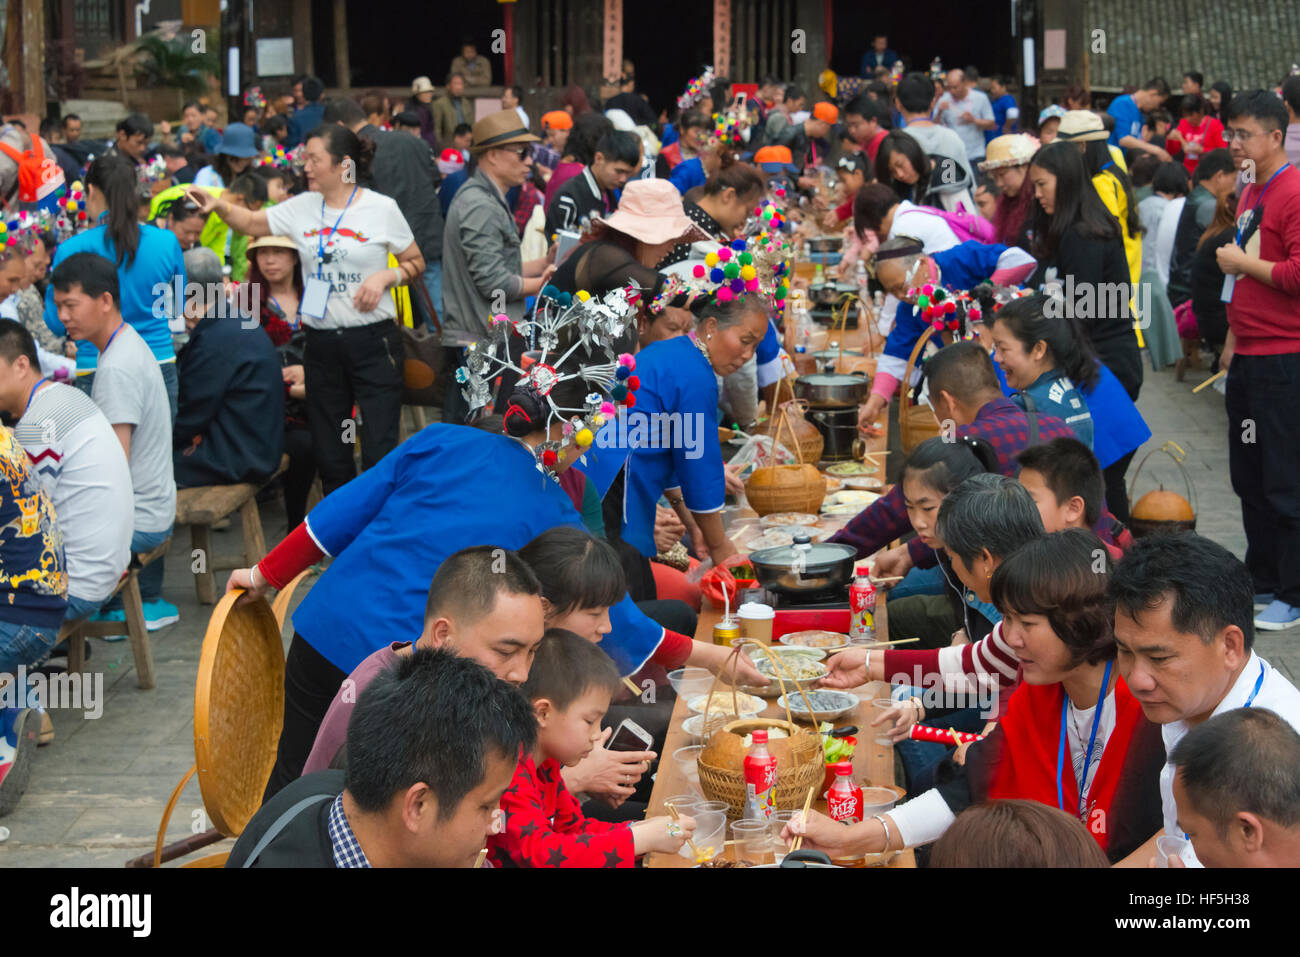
(315, 297)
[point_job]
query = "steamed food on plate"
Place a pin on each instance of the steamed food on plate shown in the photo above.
(841, 509)
(816, 638)
(858, 497)
(787, 518)
(724, 702)
(850, 468)
(832, 483)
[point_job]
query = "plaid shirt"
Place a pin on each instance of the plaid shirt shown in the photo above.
(544, 155)
(347, 851)
(1002, 424)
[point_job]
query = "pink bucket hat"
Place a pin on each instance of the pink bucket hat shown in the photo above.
(651, 211)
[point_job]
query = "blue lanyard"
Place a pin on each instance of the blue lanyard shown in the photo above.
(112, 337)
(32, 394)
(296, 321)
(1259, 683)
(1092, 739)
(320, 237)
(1261, 197)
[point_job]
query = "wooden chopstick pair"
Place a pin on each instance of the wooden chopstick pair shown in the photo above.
(807, 805)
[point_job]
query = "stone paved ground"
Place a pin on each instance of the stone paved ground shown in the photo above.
(98, 792)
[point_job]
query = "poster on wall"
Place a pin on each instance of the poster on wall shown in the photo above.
(275, 56)
(612, 59)
(722, 37)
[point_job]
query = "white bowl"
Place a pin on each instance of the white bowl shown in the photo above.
(840, 703)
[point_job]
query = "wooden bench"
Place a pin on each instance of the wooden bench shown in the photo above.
(203, 506)
(134, 628)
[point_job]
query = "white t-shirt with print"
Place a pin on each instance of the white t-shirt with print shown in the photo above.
(370, 228)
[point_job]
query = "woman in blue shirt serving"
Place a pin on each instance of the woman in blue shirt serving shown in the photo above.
(668, 441)
(150, 268)
(446, 488)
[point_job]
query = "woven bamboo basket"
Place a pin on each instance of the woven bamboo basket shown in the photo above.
(916, 423)
(806, 435)
(786, 488)
(800, 758)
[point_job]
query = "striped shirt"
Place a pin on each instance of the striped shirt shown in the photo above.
(963, 669)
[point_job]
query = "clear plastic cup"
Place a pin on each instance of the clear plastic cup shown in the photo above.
(779, 821)
(1171, 845)
(878, 707)
(753, 841)
(712, 807)
(683, 803)
(688, 682)
(688, 761)
(709, 838)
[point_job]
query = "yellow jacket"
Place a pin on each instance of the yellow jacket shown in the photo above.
(1111, 191)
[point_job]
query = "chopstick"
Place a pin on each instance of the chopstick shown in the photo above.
(631, 686)
(798, 841)
(892, 578)
(1214, 378)
(481, 855)
(888, 644)
(695, 851)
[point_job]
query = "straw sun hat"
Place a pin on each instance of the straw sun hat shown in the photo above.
(651, 211)
(1080, 126)
(1013, 149)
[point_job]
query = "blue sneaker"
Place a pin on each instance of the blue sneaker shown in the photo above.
(1263, 599)
(160, 614)
(111, 615)
(1278, 616)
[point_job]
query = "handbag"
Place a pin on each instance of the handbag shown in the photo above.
(422, 356)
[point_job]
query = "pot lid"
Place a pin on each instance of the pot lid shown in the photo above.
(831, 379)
(819, 553)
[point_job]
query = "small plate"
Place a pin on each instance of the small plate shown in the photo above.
(816, 638)
(843, 469)
(724, 703)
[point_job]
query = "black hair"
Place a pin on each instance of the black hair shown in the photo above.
(1246, 759)
(268, 173)
(170, 150)
(461, 129)
(194, 103)
(1210, 587)
(899, 141)
(16, 341)
(437, 719)
(1195, 76)
(1077, 204)
(692, 119)
(181, 208)
(1224, 89)
(312, 89)
(990, 512)
(93, 273)
(1291, 92)
(1215, 161)
(1192, 103)
(1031, 321)
(1068, 468)
(340, 142)
(343, 109)
(1061, 576)
(588, 128)
(273, 124)
(1155, 116)
(793, 92)
(115, 177)
(720, 92)
(1261, 105)
(871, 109)
(1097, 159)
(619, 146)
(915, 91)
(68, 118)
(879, 89)
(742, 177)
(963, 369)
(872, 203)
(250, 186)
(1169, 177)
(566, 667)
(576, 570)
(943, 465)
(468, 582)
(1159, 84)
(729, 313)
(135, 123)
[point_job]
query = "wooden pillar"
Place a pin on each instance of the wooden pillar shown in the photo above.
(809, 15)
(344, 78)
(33, 57)
(304, 60)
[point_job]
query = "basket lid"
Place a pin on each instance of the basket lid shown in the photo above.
(238, 709)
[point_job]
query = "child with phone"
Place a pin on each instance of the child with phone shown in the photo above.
(569, 686)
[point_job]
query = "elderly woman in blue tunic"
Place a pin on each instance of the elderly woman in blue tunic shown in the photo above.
(667, 442)
(446, 488)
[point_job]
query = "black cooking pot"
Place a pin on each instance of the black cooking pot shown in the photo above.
(839, 429)
(832, 390)
(804, 568)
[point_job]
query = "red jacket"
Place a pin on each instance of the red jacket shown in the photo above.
(1209, 134)
(1266, 319)
(545, 827)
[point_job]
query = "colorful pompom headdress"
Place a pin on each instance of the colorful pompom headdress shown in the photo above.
(756, 265)
(696, 89)
(276, 157)
(563, 328)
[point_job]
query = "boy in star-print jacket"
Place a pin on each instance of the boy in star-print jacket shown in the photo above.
(569, 684)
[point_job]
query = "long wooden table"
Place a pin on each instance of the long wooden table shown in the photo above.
(873, 764)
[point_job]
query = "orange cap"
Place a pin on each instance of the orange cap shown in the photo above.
(557, 120)
(774, 154)
(826, 112)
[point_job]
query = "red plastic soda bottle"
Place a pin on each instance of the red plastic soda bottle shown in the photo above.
(844, 799)
(760, 780)
(862, 609)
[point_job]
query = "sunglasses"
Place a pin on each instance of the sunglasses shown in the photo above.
(522, 150)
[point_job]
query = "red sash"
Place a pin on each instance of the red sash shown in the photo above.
(1027, 769)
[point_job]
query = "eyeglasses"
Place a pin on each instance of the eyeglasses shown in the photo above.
(1241, 136)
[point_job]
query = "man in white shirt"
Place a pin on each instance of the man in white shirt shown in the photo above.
(79, 462)
(966, 111)
(129, 390)
(1184, 624)
(1238, 790)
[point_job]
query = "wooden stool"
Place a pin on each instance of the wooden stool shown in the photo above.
(204, 505)
(134, 628)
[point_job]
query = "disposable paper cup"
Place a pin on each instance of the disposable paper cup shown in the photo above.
(756, 622)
